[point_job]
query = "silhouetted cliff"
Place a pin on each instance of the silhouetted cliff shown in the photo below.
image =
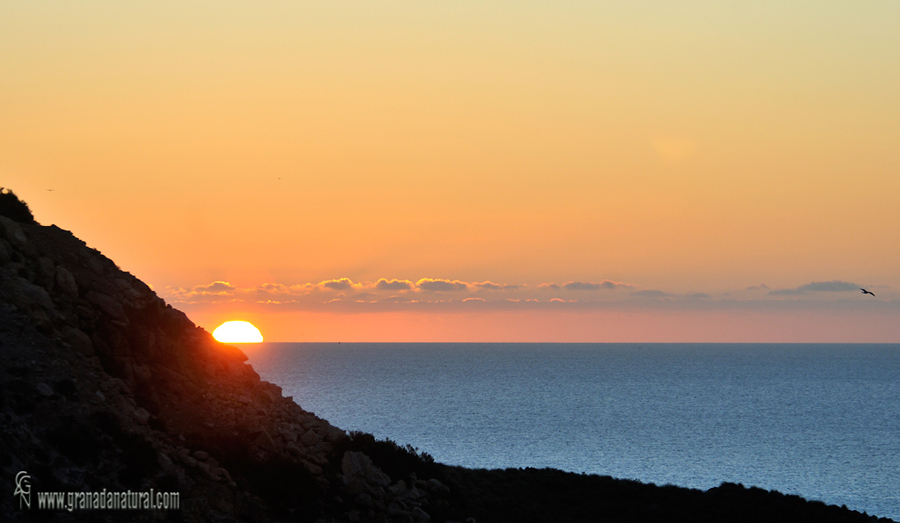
(104, 386)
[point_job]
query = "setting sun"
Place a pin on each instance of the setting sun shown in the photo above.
(237, 332)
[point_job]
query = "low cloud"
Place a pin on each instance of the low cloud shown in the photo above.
(342, 284)
(217, 290)
(818, 286)
(273, 288)
(428, 284)
(653, 294)
(214, 287)
(433, 294)
(585, 286)
(592, 286)
(490, 286)
(394, 285)
(608, 285)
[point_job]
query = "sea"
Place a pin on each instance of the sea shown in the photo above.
(818, 420)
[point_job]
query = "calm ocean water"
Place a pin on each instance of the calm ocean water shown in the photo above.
(820, 421)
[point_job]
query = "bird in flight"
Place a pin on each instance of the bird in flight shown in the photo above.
(866, 292)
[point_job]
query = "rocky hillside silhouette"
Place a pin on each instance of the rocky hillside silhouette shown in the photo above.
(105, 386)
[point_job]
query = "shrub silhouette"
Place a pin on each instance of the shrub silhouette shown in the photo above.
(397, 461)
(14, 208)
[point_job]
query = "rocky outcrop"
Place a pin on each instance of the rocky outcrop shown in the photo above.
(105, 386)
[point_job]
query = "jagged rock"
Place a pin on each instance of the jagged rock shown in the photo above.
(289, 434)
(312, 467)
(264, 441)
(435, 486)
(419, 515)
(66, 282)
(398, 509)
(79, 341)
(310, 438)
(361, 475)
(333, 433)
(141, 415)
(44, 389)
(126, 287)
(5, 251)
(220, 474)
(107, 304)
(397, 489)
(12, 231)
(26, 294)
(46, 272)
(364, 500)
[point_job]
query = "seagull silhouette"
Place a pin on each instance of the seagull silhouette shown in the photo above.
(866, 292)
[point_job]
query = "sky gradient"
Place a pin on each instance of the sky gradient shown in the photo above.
(513, 171)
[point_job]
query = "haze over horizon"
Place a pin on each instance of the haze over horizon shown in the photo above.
(474, 171)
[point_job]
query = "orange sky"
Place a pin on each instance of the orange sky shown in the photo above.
(733, 169)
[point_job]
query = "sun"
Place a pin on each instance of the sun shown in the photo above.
(237, 332)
